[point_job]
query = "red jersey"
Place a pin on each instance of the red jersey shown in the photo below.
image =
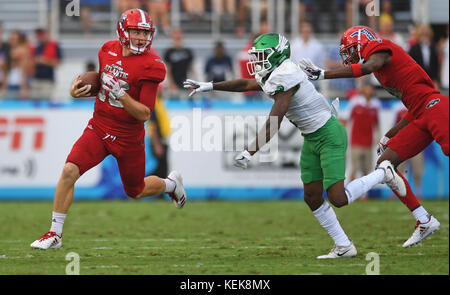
(402, 76)
(364, 117)
(139, 75)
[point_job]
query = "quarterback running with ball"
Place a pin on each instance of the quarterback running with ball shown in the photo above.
(364, 53)
(322, 161)
(129, 75)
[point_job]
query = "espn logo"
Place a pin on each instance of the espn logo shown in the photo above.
(14, 128)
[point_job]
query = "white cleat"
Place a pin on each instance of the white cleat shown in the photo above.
(49, 240)
(340, 252)
(421, 231)
(179, 194)
(392, 179)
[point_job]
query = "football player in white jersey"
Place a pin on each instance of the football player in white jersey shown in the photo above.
(322, 161)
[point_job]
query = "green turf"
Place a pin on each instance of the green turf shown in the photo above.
(152, 237)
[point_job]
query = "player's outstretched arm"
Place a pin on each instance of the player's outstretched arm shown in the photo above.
(373, 64)
(279, 109)
(272, 126)
(238, 85)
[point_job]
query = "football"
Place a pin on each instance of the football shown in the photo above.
(92, 78)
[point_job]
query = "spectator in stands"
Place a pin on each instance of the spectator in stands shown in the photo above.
(314, 11)
(364, 121)
(18, 65)
(47, 57)
(443, 46)
(333, 60)
(415, 164)
(194, 8)
(307, 46)
(413, 37)
(124, 5)
(219, 66)
(159, 11)
(4, 52)
(244, 7)
(229, 6)
(243, 58)
(87, 17)
(372, 19)
(425, 53)
(179, 63)
(386, 25)
(91, 66)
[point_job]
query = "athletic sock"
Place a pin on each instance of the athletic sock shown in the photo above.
(421, 215)
(170, 185)
(58, 222)
(360, 186)
(410, 199)
(328, 220)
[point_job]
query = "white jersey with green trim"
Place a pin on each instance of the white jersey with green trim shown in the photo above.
(308, 109)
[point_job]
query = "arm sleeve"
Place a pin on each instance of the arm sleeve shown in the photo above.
(408, 117)
(154, 70)
(147, 96)
(375, 46)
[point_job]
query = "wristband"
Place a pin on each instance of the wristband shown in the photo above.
(209, 86)
(384, 140)
(356, 69)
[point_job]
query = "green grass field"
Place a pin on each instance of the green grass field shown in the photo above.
(280, 237)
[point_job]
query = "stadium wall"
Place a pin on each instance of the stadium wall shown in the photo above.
(36, 137)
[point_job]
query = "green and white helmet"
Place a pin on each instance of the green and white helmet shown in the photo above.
(267, 52)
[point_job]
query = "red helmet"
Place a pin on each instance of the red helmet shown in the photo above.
(353, 42)
(135, 19)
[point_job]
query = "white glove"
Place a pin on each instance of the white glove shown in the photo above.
(313, 71)
(197, 86)
(112, 84)
(382, 145)
(242, 159)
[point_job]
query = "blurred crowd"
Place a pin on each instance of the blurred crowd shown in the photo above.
(28, 59)
(27, 67)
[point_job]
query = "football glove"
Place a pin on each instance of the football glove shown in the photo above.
(312, 71)
(112, 84)
(382, 145)
(197, 86)
(242, 159)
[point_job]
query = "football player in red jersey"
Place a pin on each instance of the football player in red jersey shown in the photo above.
(364, 53)
(130, 74)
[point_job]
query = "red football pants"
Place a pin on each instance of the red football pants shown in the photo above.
(418, 134)
(94, 145)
